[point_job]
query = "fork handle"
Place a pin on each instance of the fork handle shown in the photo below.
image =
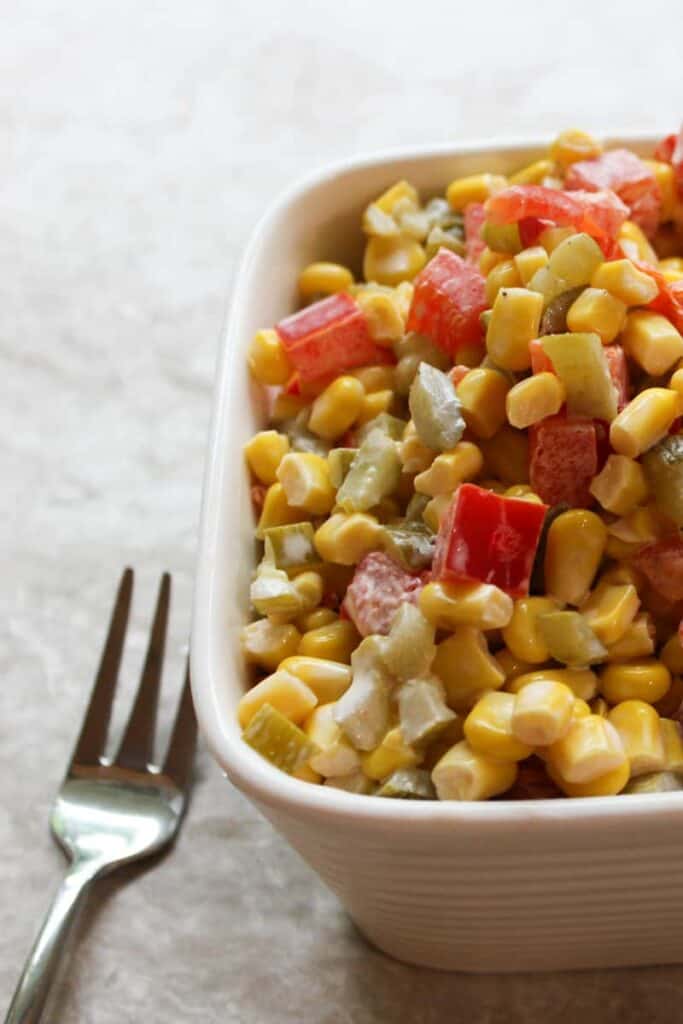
(43, 960)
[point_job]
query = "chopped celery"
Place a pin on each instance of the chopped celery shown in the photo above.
(663, 467)
(291, 546)
(375, 472)
(554, 320)
(339, 461)
(655, 782)
(579, 361)
(410, 543)
(436, 409)
(423, 710)
(272, 592)
(301, 438)
(363, 711)
(408, 784)
(390, 425)
(278, 740)
(416, 506)
(409, 649)
(502, 237)
(570, 639)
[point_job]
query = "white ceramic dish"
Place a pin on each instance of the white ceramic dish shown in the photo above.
(498, 886)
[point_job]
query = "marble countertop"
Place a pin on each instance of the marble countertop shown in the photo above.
(138, 144)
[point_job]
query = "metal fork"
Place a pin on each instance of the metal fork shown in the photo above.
(111, 813)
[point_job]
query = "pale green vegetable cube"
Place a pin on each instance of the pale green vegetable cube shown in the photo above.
(570, 639)
(278, 740)
(436, 409)
(579, 361)
(375, 473)
(408, 784)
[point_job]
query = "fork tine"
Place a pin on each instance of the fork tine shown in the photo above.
(137, 746)
(180, 756)
(93, 735)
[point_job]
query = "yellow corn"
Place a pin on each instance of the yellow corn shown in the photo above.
(581, 681)
(474, 189)
(599, 706)
(610, 610)
(465, 667)
(645, 679)
(488, 728)
(277, 512)
(334, 754)
(671, 654)
(463, 774)
(435, 510)
(522, 635)
(327, 679)
(336, 408)
(533, 399)
(285, 692)
(597, 310)
(265, 452)
(308, 587)
(542, 713)
(635, 642)
(375, 378)
(581, 709)
(483, 605)
(495, 485)
(266, 643)
(267, 359)
(574, 260)
(673, 745)
(625, 282)
(512, 667)
(401, 191)
(503, 274)
(324, 279)
(608, 784)
(482, 394)
(551, 238)
(670, 704)
(515, 321)
(676, 381)
(638, 726)
(347, 539)
(286, 407)
(634, 243)
(507, 455)
(620, 485)
(528, 261)
(652, 341)
(672, 265)
(382, 314)
(450, 735)
(644, 421)
(305, 479)
(306, 774)
(490, 259)
(373, 404)
(572, 145)
(534, 174)
(392, 260)
(590, 748)
(415, 456)
(334, 642)
(319, 617)
(392, 753)
(450, 469)
(666, 179)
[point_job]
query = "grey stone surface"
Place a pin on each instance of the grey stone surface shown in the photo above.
(138, 144)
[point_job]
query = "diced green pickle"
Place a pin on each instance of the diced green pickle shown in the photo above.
(409, 649)
(291, 546)
(416, 506)
(656, 782)
(579, 361)
(375, 472)
(390, 425)
(363, 710)
(300, 437)
(355, 782)
(423, 711)
(663, 467)
(278, 740)
(570, 639)
(554, 319)
(339, 460)
(408, 784)
(502, 237)
(272, 591)
(445, 238)
(436, 409)
(410, 543)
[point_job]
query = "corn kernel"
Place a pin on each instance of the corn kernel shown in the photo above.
(634, 243)
(610, 610)
(286, 407)
(522, 635)
(672, 743)
(635, 642)
(267, 359)
(442, 744)
(284, 692)
(597, 310)
(581, 681)
(608, 784)
(305, 479)
(347, 539)
(507, 455)
(620, 485)
(490, 259)
(515, 321)
(463, 664)
(676, 381)
(666, 179)
(670, 704)
(308, 586)
(336, 408)
(482, 394)
(375, 378)
(415, 456)
(645, 679)
(581, 709)
(392, 260)
(573, 145)
(671, 654)
(542, 712)
(528, 261)
(512, 667)
(625, 282)
(266, 643)
(644, 421)
(575, 260)
(327, 679)
(599, 706)
(374, 405)
(316, 618)
(335, 755)
(503, 274)
(488, 728)
(324, 279)
(551, 238)
(435, 510)
(533, 399)
(474, 189)
(306, 774)
(265, 452)
(652, 341)
(334, 642)
(591, 748)
(383, 315)
(483, 605)
(535, 173)
(463, 774)
(638, 726)
(277, 512)
(450, 469)
(392, 753)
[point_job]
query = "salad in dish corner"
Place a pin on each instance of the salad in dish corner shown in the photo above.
(470, 495)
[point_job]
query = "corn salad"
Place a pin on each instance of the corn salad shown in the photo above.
(469, 495)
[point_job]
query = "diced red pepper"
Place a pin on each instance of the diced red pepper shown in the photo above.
(378, 589)
(563, 459)
(475, 215)
(669, 301)
(664, 149)
(662, 565)
(530, 229)
(599, 214)
(489, 538)
(628, 176)
(327, 337)
(448, 299)
(540, 362)
(670, 151)
(618, 371)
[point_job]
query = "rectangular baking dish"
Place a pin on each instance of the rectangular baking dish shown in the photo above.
(498, 886)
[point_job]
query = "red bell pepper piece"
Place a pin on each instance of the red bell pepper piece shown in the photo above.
(540, 362)
(448, 299)
(378, 589)
(599, 214)
(662, 565)
(669, 301)
(530, 229)
(664, 149)
(489, 538)
(628, 176)
(327, 337)
(475, 215)
(670, 151)
(563, 459)
(618, 371)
